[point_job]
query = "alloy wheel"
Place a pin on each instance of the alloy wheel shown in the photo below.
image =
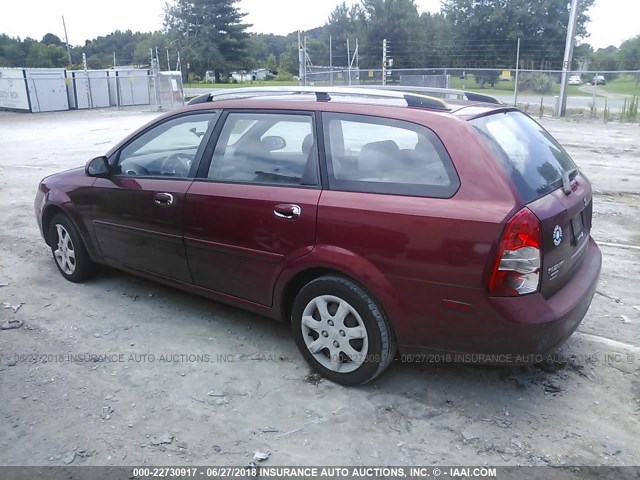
(65, 254)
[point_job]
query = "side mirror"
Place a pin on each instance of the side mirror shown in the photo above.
(274, 143)
(97, 167)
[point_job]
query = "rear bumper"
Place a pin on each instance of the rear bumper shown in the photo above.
(523, 329)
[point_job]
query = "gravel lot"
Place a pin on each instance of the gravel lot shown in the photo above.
(157, 401)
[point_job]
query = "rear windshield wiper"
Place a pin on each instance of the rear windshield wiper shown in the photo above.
(566, 180)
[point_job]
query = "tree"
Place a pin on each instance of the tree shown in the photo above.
(630, 54)
(125, 45)
(344, 21)
(51, 39)
(271, 64)
(46, 56)
(486, 31)
(435, 50)
(606, 60)
(12, 52)
(397, 21)
(211, 32)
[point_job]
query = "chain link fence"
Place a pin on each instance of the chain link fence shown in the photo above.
(600, 94)
(44, 90)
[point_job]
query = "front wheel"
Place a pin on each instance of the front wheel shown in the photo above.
(341, 331)
(68, 250)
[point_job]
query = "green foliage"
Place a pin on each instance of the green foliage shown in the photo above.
(271, 64)
(284, 76)
(484, 77)
(396, 20)
(211, 32)
(124, 44)
(541, 24)
(629, 112)
(630, 54)
(606, 59)
(13, 52)
(535, 82)
(51, 39)
(46, 56)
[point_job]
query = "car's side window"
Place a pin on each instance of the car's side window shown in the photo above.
(266, 148)
(168, 149)
(380, 155)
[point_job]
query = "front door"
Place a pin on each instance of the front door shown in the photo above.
(137, 216)
(254, 208)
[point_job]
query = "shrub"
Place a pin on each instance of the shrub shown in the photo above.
(284, 76)
(194, 77)
(535, 82)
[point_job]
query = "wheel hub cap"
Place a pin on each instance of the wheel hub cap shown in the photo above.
(335, 334)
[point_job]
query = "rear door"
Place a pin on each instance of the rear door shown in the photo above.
(253, 207)
(552, 187)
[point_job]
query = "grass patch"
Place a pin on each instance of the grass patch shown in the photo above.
(624, 85)
(503, 88)
(257, 83)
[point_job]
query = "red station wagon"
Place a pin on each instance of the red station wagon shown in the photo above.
(372, 220)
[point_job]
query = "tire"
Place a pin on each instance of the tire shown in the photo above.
(350, 342)
(68, 250)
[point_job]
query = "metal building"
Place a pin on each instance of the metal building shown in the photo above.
(33, 89)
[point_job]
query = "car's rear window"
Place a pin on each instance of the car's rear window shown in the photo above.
(533, 158)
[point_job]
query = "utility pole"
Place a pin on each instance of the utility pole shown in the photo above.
(330, 62)
(66, 40)
(306, 59)
(154, 75)
(301, 61)
(114, 60)
(568, 56)
(168, 62)
(384, 61)
(356, 54)
(348, 61)
(86, 74)
(515, 91)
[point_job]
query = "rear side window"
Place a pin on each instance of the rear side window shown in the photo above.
(381, 155)
(266, 148)
(532, 157)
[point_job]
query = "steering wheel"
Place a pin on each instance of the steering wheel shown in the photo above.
(177, 165)
(132, 169)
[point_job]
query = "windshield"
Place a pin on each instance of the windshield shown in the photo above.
(533, 158)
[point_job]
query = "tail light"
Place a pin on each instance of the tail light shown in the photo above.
(516, 270)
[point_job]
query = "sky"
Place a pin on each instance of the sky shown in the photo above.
(612, 21)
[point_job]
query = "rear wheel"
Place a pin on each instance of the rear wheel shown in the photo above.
(68, 250)
(341, 331)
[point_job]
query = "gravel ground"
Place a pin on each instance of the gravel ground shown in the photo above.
(186, 380)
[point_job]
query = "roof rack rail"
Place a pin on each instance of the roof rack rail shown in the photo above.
(323, 94)
(442, 92)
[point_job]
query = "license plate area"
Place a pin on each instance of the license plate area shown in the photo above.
(577, 228)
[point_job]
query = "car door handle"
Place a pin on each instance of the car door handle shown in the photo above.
(163, 199)
(287, 210)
